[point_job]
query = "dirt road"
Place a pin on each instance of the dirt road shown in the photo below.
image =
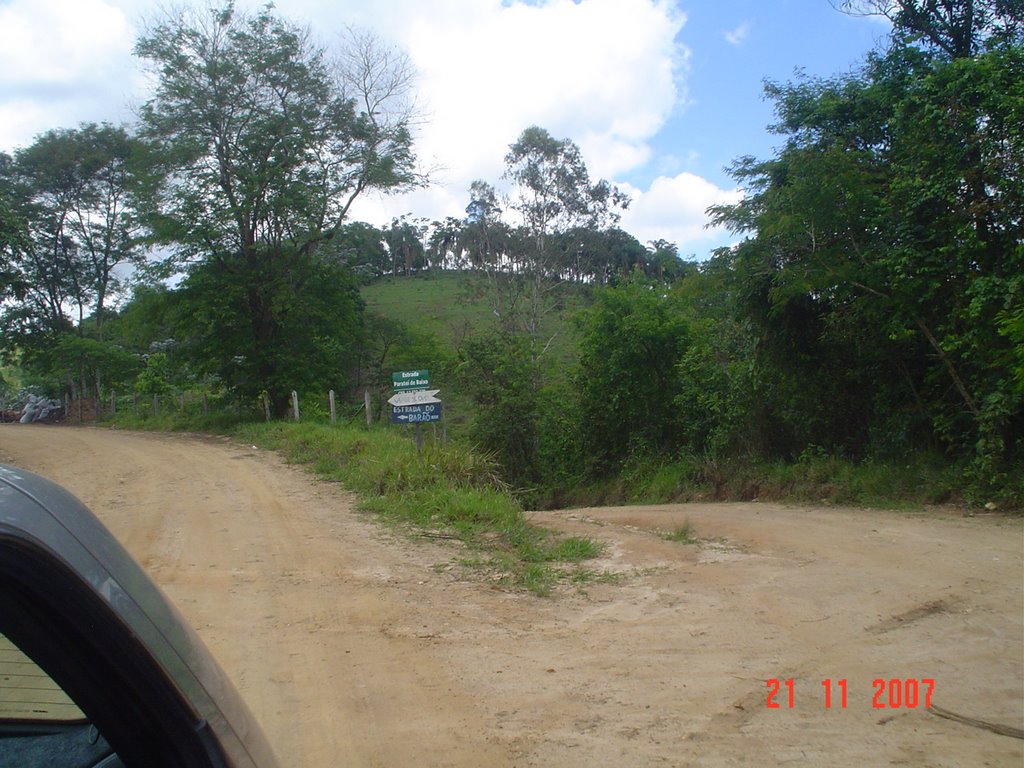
(356, 646)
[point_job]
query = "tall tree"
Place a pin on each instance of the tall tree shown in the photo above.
(958, 28)
(443, 244)
(552, 194)
(261, 143)
(71, 233)
(490, 247)
(404, 239)
(884, 244)
(80, 183)
(14, 240)
(484, 237)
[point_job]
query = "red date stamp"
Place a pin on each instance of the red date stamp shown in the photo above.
(894, 693)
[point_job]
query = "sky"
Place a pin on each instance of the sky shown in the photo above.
(660, 95)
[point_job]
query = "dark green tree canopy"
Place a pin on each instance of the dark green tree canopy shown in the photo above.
(885, 237)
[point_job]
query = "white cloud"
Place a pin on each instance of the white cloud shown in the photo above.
(61, 62)
(606, 73)
(602, 72)
(674, 209)
(739, 35)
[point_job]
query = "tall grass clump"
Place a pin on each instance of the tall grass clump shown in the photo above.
(815, 477)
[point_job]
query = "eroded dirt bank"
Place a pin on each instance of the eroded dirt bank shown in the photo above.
(355, 646)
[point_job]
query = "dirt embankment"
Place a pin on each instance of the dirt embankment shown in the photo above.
(355, 646)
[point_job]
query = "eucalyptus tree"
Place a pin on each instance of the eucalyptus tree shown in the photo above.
(485, 236)
(443, 244)
(261, 141)
(552, 191)
(526, 243)
(487, 243)
(552, 194)
(404, 239)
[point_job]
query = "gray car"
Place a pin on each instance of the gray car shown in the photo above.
(97, 668)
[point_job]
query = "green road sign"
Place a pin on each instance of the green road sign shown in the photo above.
(405, 380)
(406, 375)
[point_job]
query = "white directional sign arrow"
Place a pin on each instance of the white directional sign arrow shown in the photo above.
(416, 397)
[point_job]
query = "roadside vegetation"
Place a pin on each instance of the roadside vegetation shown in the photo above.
(862, 343)
(444, 491)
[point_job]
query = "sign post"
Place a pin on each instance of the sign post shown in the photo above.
(413, 402)
(416, 414)
(414, 397)
(403, 380)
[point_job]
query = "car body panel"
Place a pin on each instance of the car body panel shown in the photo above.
(37, 511)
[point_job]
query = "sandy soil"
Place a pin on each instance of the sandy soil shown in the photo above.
(356, 646)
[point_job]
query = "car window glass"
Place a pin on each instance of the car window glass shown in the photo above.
(28, 693)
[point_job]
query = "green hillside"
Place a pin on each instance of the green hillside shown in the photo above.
(453, 306)
(447, 304)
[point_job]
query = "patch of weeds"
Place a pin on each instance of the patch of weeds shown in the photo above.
(576, 549)
(581, 576)
(537, 578)
(474, 562)
(683, 534)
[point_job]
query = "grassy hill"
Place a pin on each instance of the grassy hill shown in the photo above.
(446, 304)
(453, 306)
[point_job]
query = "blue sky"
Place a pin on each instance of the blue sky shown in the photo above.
(727, 115)
(661, 95)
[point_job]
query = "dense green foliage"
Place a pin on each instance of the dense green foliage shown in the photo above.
(887, 245)
(67, 224)
(631, 342)
(872, 311)
(871, 316)
(258, 150)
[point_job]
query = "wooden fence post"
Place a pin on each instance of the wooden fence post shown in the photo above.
(113, 402)
(369, 413)
(334, 413)
(266, 406)
(156, 404)
(206, 404)
(295, 403)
